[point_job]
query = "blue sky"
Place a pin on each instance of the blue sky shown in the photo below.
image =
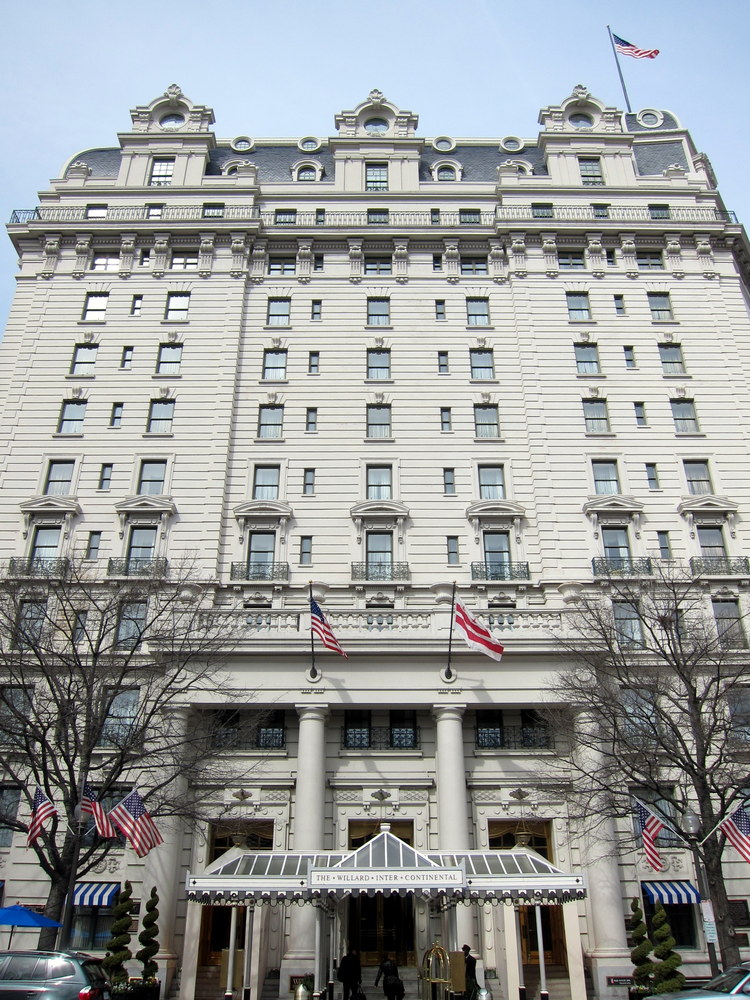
(69, 73)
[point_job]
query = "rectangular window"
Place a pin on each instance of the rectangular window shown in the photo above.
(320, 216)
(378, 312)
(629, 355)
(739, 714)
(446, 423)
(671, 359)
(79, 627)
(285, 216)
(616, 548)
(274, 365)
(729, 624)
(266, 482)
(595, 416)
(698, 478)
(136, 304)
(356, 729)
(30, 626)
(154, 211)
(442, 362)
(600, 211)
(151, 477)
(587, 359)
(105, 476)
(591, 171)
(649, 260)
(282, 265)
(9, 800)
(160, 416)
(434, 216)
(377, 216)
(570, 260)
(378, 363)
(118, 728)
(278, 312)
(627, 622)
(319, 262)
(473, 265)
(305, 550)
(105, 262)
(45, 545)
(606, 479)
(71, 417)
(378, 265)
(449, 481)
(639, 410)
(270, 421)
(665, 548)
(260, 554)
(658, 211)
(214, 210)
(96, 211)
(652, 476)
(184, 260)
(578, 305)
(496, 546)
(609, 256)
(95, 306)
(469, 216)
(308, 482)
(169, 359)
(178, 304)
(451, 546)
(313, 363)
(376, 176)
(378, 421)
(162, 171)
(486, 422)
(126, 359)
(491, 482)
(711, 541)
(311, 419)
(141, 547)
(379, 553)
(482, 363)
(379, 482)
(115, 415)
(684, 416)
(542, 210)
(59, 478)
(660, 305)
(619, 301)
(93, 544)
(316, 309)
(439, 309)
(478, 312)
(437, 262)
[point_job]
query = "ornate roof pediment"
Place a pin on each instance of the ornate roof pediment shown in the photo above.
(273, 509)
(613, 503)
(51, 505)
(496, 509)
(706, 503)
(172, 112)
(392, 121)
(379, 508)
(146, 504)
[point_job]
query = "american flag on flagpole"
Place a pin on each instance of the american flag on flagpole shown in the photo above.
(323, 630)
(91, 806)
(135, 822)
(737, 830)
(42, 809)
(649, 827)
(476, 635)
(628, 49)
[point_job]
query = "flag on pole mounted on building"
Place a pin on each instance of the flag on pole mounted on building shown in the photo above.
(323, 630)
(737, 830)
(135, 822)
(628, 49)
(476, 635)
(91, 806)
(649, 826)
(42, 809)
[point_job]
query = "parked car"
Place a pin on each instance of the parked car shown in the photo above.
(52, 975)
(733, 982)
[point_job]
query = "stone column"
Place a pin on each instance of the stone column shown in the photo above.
(453, 807)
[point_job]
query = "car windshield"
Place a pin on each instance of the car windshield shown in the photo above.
(728, 981)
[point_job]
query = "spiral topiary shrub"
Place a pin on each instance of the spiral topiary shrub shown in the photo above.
(118, 952)
(666, 977)
(643, 965)
(148, 937)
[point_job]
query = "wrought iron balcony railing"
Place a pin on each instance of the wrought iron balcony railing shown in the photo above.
(380, 571)
(621, 566)
(137, 567)
(513, 738)
(259, 571)
(500, 571)
(263, 738)
(719, 566)
(38, 567)
(380, 738)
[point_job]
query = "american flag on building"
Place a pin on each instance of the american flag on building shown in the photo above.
(737, 830)
(323, 630)
(649, 827)
(91, 806)
(628, 49)
(135, 822)
(42, 809)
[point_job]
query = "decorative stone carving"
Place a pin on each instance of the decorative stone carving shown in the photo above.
(518, 254)
(83, 253)
(51, 248)
(549, 252)
(627, 249)
(673, 253)
(401, 260)
(497, 262)
(161, 253)
(239, 255)
(206, 254)
(595, 254)
(259, 261)
(356, 260)
(304, 261)
(127, 254)
(451, 260)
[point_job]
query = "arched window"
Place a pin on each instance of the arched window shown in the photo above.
(446, 173)
(306, 174)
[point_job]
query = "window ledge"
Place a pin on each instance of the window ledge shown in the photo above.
(278, 326)
(590, 375)
(392, 752)
(269, 440)
(91, 322)
(168, 378)
(484, 381)
(158, 434)
(377, 326)
(583, 322)
(379, 381)
(479, 326)
(676, 375)
(690, 434)
(490, 440)
(666, 322)
(600, 434)
(67, 437)
(170, 322)
(377, 440)
(274, 381)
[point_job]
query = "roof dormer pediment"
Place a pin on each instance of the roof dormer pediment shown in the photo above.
(376, 117)
(172, 113)
(581, 114)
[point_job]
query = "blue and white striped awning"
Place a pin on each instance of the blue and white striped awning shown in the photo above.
(672, 892)
(95, 893)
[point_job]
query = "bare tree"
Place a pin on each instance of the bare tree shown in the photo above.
(97, 678)
(654, 702)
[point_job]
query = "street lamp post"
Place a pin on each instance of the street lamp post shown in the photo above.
(692, 826)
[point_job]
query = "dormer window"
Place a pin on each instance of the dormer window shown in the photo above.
(306, 174)
(446, 173)
(376, 126)
(172, 121)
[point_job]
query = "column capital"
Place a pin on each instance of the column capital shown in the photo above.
(448, 712)
(319, 712)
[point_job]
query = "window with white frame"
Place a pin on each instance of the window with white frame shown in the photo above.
(59, 477)
(95, 307)
(595, 416)
(587, 359)
(274, 365)
(93, 544)
(496, 545)
(591, 171)
(578, 305)
(160, 416)
(652, 476)
(308, 482)
(477, 312)
(285, 216)
(378, 312)
(282, 265)
(119, 724)
(278, 312)
(606, 480)
(672, 362)
(376, 176)
(141, 547)
(711, 541)
(660, 305)
(379, 482)
(616, 547)
(491, 482)
(311, 419)
(381, 264)
(571, 260)
(45, 545)
(729, 623)
(162, 171)
(482, 363)
(169, 359)
(266, 482)
(105, 476)
(473, 265)
(378, 420)
(451, 545)
(109, 261)
(184, 260)
(378, 363)
(71, 417)
(649, 260)
(486, 421)
(270, 421)
(30, 626)
(698, 477)
(178, 304)
(152, 477)
(260, 555)
(449, 481)
(305, 550)
(684, 416)
(627, 622)
(446, 419)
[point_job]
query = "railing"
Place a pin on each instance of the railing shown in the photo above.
(137, 567)
(500, 571)
(513, 738)
(719, 566)
(264, 738)
(397, 220)
(380, 738)
(259, 571)
(621, 566)
(38, 567)
(380, 571)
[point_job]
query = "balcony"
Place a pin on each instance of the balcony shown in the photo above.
(621, 566)
(263, 738)
(380, 738)
(259, 571)
(380, 571)
(34, 566)
(152, 568)
(719, 566)
(513, 738)
(500, 570)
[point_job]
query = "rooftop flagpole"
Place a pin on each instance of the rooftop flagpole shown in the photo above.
(619, 70)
